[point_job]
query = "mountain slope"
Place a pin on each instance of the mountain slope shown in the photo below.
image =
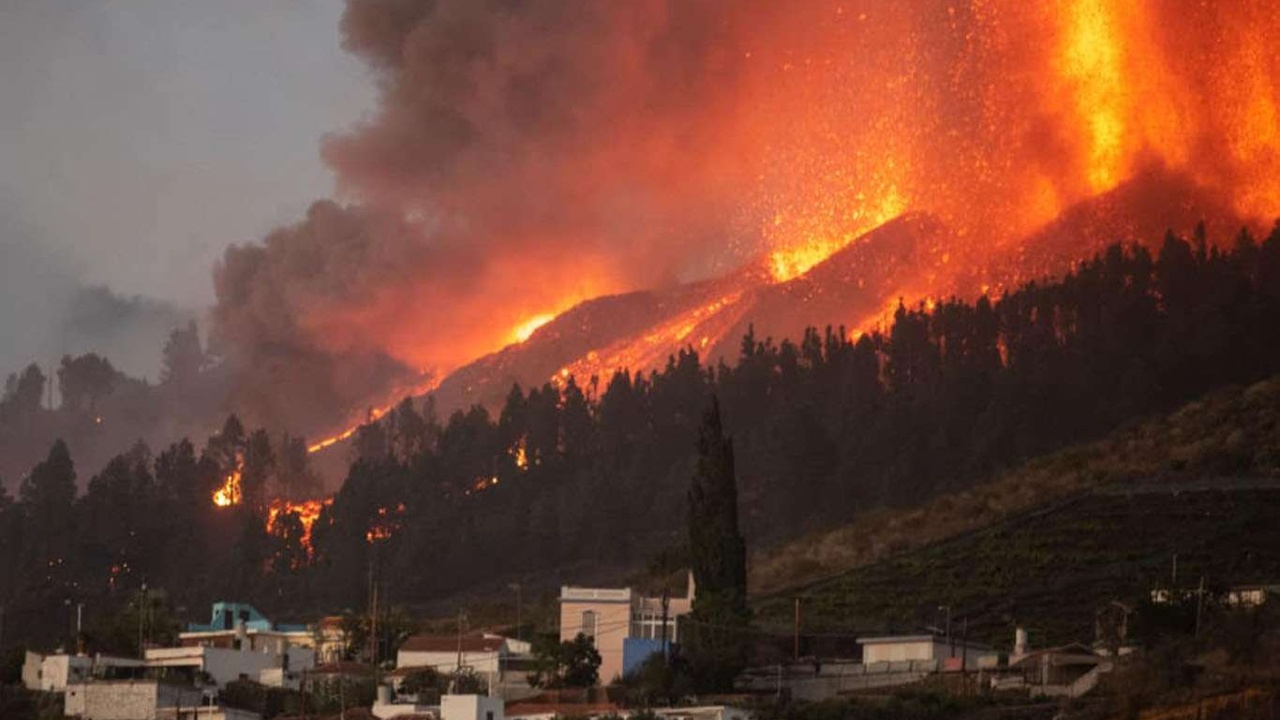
(909, 258)
(1060, 536)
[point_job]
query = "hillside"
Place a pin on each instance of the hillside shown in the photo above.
(1048, 543)
(910, 257)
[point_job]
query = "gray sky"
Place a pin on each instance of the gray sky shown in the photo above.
(139, 137)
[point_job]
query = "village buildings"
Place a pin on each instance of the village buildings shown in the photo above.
(625, 626)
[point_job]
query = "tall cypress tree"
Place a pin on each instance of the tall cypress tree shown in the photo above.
(716, 634)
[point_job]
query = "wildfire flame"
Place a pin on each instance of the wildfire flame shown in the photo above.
(520, 454)
(385, 523)
(307, 511)
(229, 493)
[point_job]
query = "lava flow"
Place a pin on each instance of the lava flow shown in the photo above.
(698, 327)
(536, 163)
(374, 414)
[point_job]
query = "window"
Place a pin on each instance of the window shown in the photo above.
(589, 623)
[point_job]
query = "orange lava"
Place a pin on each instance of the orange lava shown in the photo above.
(526, 329)
(374, 414)
(705, 323)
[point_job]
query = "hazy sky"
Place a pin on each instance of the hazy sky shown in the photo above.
(139, 137)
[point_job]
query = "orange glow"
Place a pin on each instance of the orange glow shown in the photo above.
(374, 414)
(528, 327)
(520, 454)
(815, 124)
(651, 348)
(385, 523)
(796, 259)
(307, 511)
(1091, 60)
(481, 484)
(230, 493)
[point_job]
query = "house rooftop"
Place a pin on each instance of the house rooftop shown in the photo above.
(894, 639)
(451, 643)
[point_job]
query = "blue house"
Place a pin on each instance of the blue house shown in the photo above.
(226, 615)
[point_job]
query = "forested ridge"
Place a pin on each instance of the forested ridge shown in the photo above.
(594, 473)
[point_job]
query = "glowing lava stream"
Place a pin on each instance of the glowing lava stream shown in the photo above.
(519, 334)
(375, 414)
(652, 347)
(526, 329)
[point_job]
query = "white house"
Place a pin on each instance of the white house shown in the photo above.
(225, 665)
(52, 673)
(484, 654)
(907, 648)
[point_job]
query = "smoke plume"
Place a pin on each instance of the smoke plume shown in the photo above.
(524, 156)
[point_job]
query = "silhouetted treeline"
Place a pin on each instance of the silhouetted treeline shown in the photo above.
(97, 410)
(596, 474)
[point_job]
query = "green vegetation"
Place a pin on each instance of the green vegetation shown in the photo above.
(714, 633)
(1076, 530)
(1230, 431)
(572, 663)
(594, 472)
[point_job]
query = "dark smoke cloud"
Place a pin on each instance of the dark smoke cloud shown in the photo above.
(524, 155)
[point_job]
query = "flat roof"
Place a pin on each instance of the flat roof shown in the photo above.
(941, 639)
(582, 594)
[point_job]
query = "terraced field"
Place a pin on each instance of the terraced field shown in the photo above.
(1050, 569)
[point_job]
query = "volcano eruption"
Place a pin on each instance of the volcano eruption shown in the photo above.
(658, 175)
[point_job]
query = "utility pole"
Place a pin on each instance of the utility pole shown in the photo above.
(950, 643)
(796, 631)
(666, 605)
(142, 601)
(1199, 604)
(79, 634)
(519, 603)
(458, 669)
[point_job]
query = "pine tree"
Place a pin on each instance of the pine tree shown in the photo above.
(716, 633)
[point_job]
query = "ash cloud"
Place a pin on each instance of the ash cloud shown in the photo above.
(523, 156)
(526, 155)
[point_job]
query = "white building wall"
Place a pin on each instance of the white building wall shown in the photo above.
(126, 700)
(897, 651)
(228, 665)
(471, 707)
(31, 670)
(223, 665)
